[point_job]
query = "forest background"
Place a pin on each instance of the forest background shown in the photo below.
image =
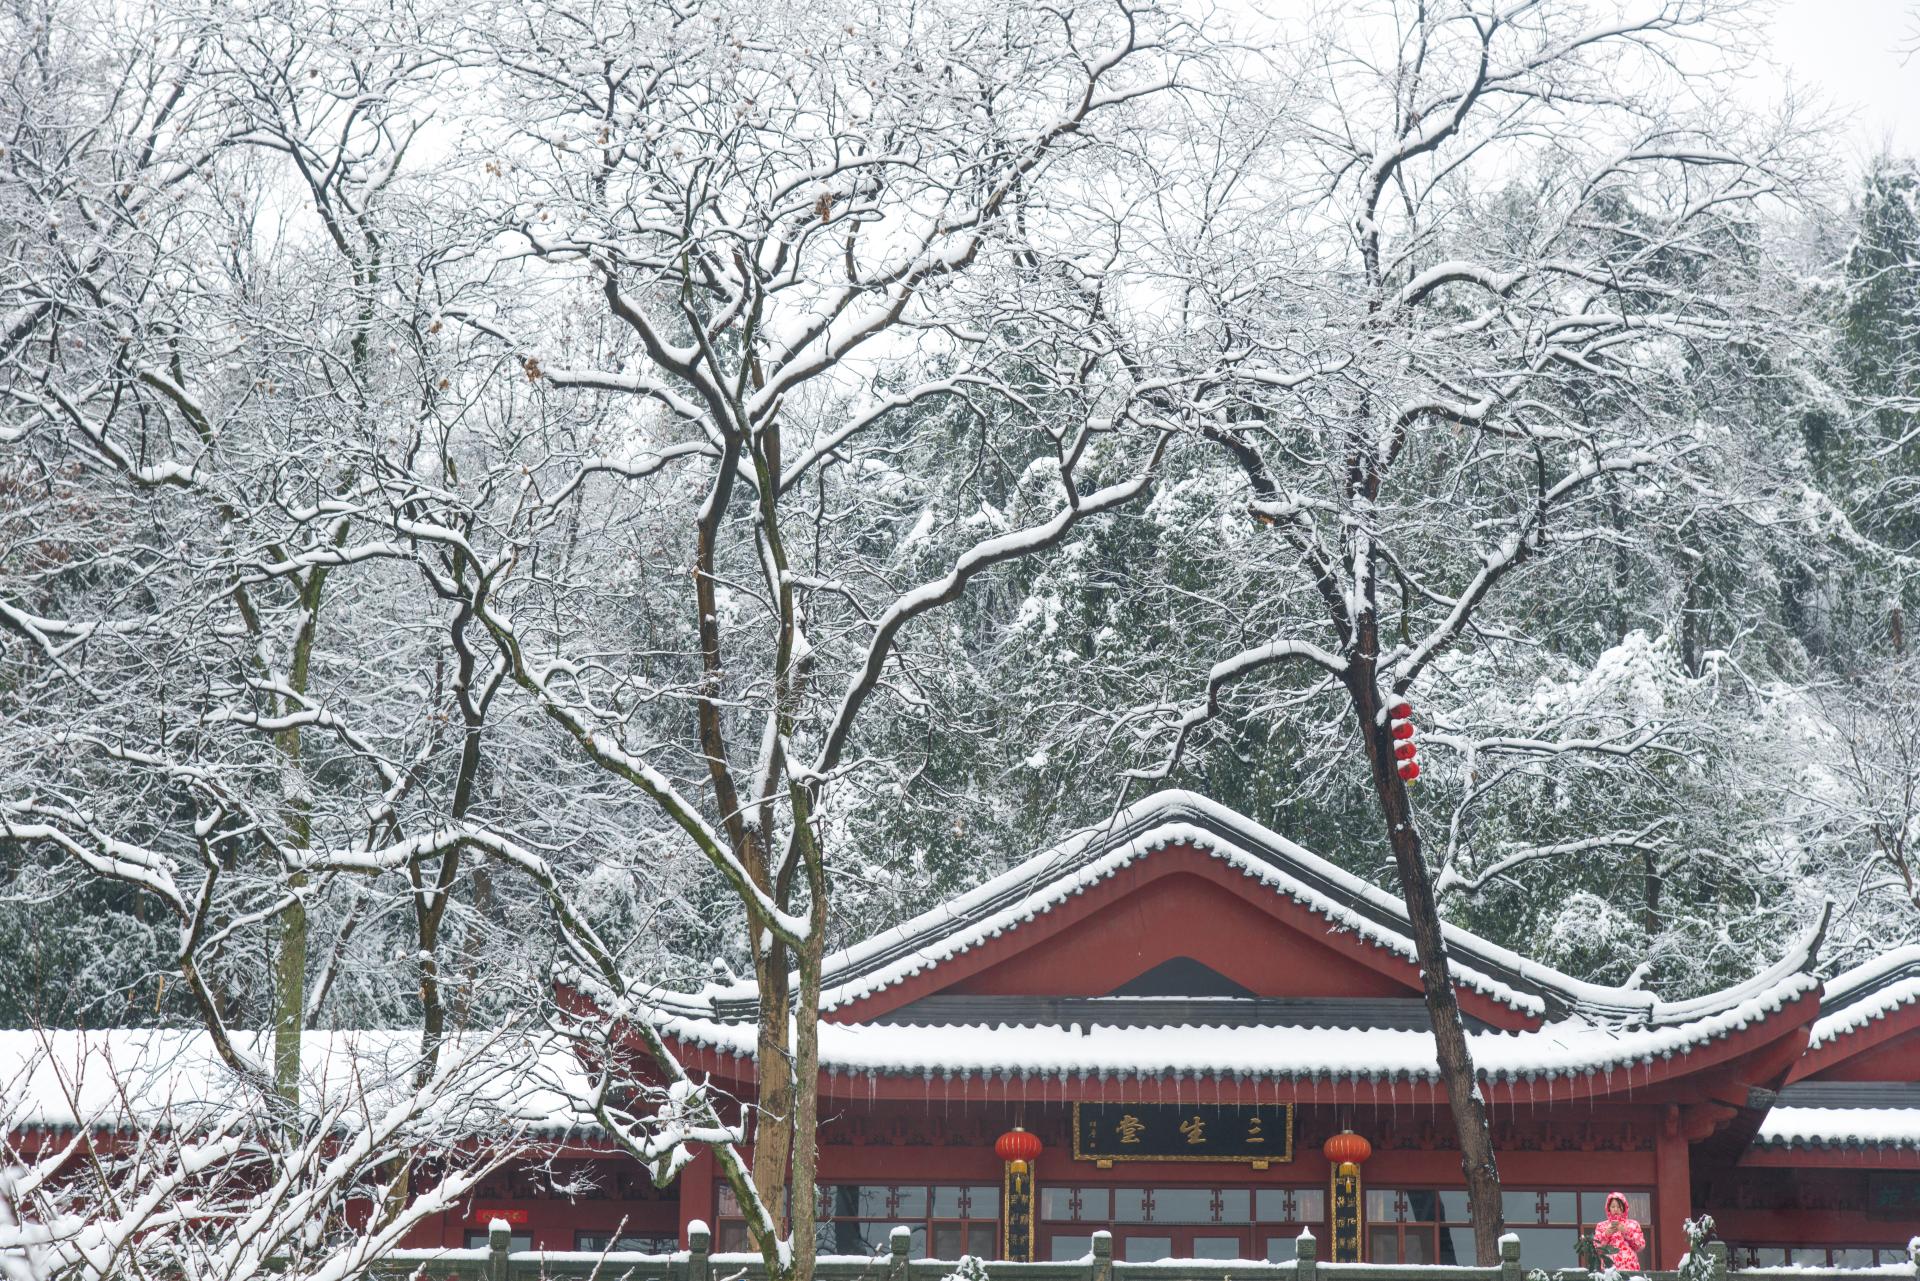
(642, 494)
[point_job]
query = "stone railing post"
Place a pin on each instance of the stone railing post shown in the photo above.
(1306, 1256)
(699, 1248)
(1717, 1260)
(1101, 1269)
(499, 1241)
(899, 1241)
(1510, 1258)
(1913, 1255)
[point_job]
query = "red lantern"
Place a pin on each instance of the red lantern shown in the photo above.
(1017, 1147)
(1346, 1148)
(1400, 726)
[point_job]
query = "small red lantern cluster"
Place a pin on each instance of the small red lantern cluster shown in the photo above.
(1400, 724)
(1017, 1147)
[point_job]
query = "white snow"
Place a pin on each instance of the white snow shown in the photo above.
(1849, 1015)
(1048, 879)
(1563, 1049)
(1841, 1127)
(150, 1076)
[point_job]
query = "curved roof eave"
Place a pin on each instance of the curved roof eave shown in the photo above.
(1261, 1052)
(1863, 1007)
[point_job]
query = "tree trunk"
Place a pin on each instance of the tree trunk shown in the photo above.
(290, 942)
(773, 1117)
(290, 947)
(806, 1101)
(1653, 883)
(290, 999)
(1449, 1033)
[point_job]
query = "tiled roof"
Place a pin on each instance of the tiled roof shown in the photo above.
(1844, 1114)
(1867, 993)
(1347, 902)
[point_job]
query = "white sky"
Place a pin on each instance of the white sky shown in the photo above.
(1848, 53)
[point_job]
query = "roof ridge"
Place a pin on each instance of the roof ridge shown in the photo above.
(1171, 816)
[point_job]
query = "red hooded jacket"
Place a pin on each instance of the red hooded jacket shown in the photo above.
(1619, 1237)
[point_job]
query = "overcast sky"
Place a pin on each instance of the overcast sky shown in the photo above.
(1848, 51)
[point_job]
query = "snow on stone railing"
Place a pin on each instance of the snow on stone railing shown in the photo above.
(499, 1262)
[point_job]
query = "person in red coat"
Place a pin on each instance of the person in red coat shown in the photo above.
(1619, 1237)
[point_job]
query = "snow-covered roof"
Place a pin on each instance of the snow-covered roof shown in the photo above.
(1867, 993)
(1262, 1052)
(1844, 1114)
(1896, 1128)
(1348, 903)
(172, 1078)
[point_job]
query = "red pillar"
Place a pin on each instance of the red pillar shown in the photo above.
(697, 1199)
(1672, 1189)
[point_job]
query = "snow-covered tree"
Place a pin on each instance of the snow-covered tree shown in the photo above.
(1519, 244)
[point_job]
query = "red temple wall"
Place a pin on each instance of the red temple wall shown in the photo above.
(1805, 1205)
(913, 1143)
(605, 1191)
(1840, 1226)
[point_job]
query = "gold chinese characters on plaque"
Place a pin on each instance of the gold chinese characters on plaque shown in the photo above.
(1182, 1132)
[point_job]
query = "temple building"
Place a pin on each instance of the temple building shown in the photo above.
(1190, 1032)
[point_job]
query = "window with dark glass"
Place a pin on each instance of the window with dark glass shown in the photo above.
(477, 1240)
(626, 1242)
(1817, 1256)
(945, 1220)
(1178, 1222)
(1431, 1225)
